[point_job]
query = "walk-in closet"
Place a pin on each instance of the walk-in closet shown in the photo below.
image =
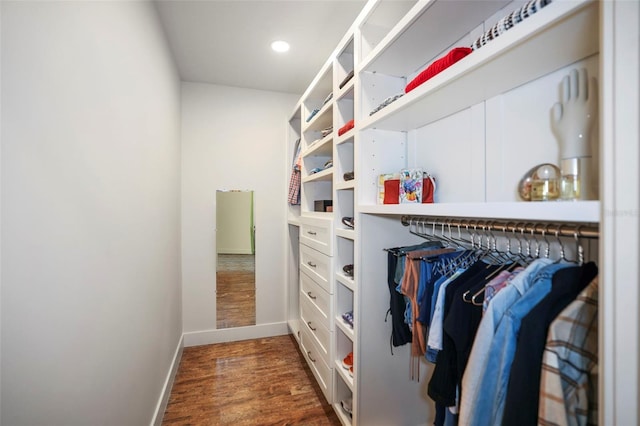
(320, 212)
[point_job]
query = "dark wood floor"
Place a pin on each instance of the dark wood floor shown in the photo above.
(253, 382)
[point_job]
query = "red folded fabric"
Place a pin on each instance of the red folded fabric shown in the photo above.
(344, 129)
(438, 66)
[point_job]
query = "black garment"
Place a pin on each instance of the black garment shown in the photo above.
(523, 390)
(400, 331)
(447, 374)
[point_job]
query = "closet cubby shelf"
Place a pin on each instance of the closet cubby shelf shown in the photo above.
(322, 119)
(346, 185)
(342, 416)
(346, 137)
(345, 281)
(325, 175)
(322, 147)
(344, 375)
(348, 331)
(349, 234)
(404, 49)
(570, 211)
(347, 91)
(529, 50)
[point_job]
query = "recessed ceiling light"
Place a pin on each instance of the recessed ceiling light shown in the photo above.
(280, 46)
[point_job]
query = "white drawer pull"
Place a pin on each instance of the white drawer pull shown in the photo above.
(311, 296)
(309, 324)
(313, 265)
(312, 233)
(309, 355)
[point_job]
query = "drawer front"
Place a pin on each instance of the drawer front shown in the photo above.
(320, 369)
(316, 233)
(316, 295)
(311, 321)
(317, 266)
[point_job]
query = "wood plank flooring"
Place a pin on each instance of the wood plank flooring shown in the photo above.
(252, 382)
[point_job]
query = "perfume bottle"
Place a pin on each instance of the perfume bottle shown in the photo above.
(570, 181)
(545, 183)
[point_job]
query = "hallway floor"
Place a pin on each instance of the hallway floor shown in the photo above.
(252, 382)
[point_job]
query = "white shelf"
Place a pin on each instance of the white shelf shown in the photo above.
(294, 221)
(322, 120)
(350, 184)
(347, 91)
(344, 374)
(324, 175)
(404, 50)
(322, 148)
(528, 51)
(578, 211)
(348, 331)
(349, 234)
(345, 281)
(346, 137)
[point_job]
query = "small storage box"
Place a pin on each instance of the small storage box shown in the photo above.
(323, 206)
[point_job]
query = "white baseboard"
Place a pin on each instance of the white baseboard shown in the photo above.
(168, 384)
(207, 337)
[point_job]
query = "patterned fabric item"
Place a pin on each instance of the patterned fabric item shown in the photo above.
(348, 318)
(497, 284)
(294, 188)
(509, 21)
(387, 102)
(569, 381)
(294, 181)
(438, 66)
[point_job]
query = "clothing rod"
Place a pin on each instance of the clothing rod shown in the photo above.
(561, 229)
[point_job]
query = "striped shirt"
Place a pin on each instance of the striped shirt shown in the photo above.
(569, 381)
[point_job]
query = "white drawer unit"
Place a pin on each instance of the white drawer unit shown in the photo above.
(311, 320)
(317, 266)
(318, 297)
(319, 367)
(317, 233)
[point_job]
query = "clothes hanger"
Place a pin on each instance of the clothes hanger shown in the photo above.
(579, 249)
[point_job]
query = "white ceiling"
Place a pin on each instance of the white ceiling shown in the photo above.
(228, 41)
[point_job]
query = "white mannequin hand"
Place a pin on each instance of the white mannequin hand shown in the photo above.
(572, 120)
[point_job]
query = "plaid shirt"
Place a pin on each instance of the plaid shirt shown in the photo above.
(569, 381)
(294, 188)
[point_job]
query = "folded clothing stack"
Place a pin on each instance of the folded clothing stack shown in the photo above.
(438, 66)
(509, 21)
(313, 114)
(325, 132)
(387, 102)
(344, 129)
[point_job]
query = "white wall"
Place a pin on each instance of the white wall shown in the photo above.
(90, 213)
(232, 138)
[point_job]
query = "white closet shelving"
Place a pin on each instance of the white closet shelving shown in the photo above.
(478, 126)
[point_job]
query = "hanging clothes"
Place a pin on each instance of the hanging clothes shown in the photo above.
(488, 408)
(396, 260)
(486, 330)
(523, 390)
(295, 179)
